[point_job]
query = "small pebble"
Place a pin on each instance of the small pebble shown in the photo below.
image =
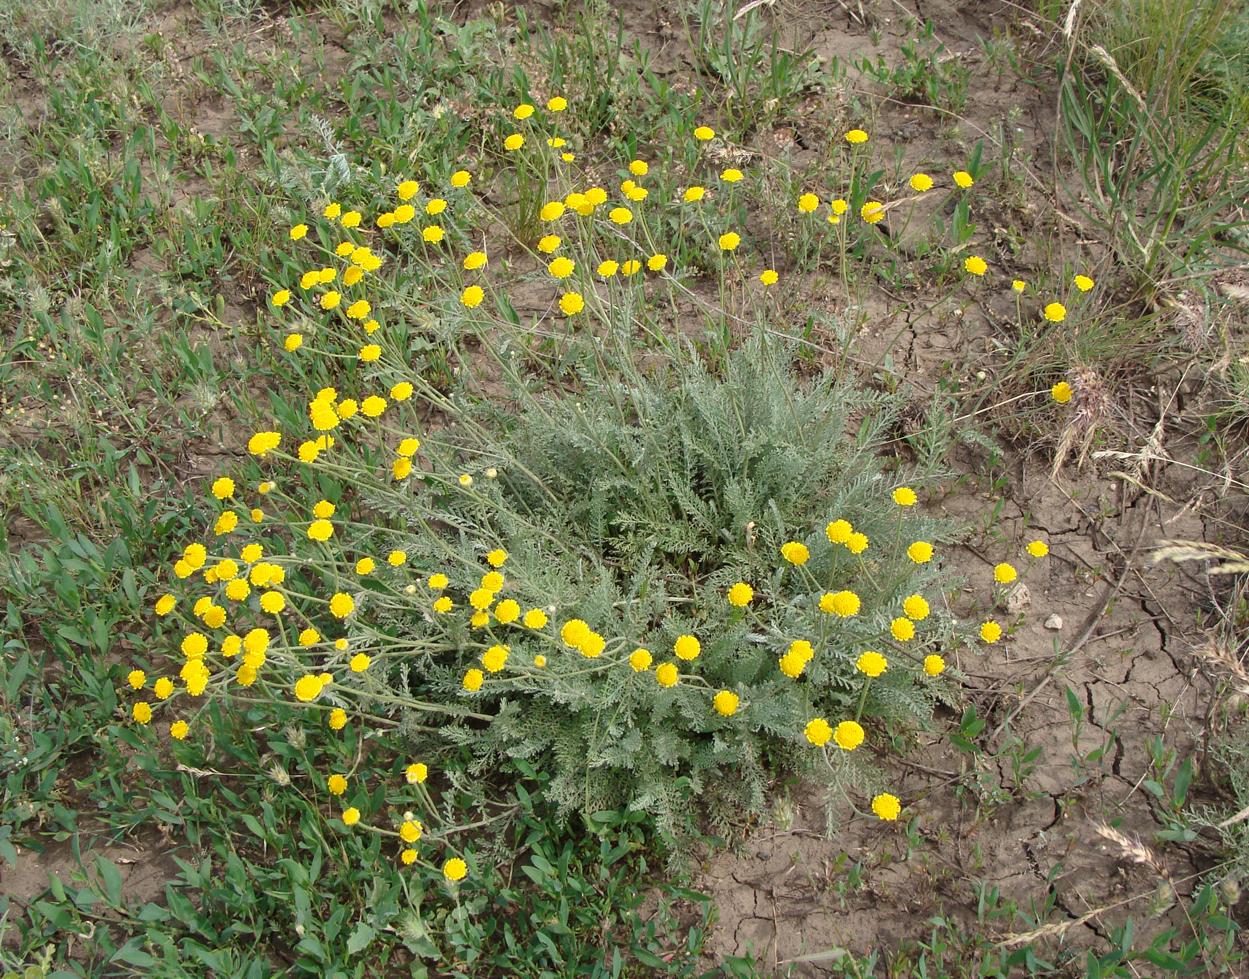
(1054, 623)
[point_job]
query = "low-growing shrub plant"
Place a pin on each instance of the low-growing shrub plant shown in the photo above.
(542, 524)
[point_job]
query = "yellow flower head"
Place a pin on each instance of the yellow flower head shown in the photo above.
(1061, 392)
(693, 194)
(731, 175)
(856, 137)
(1037, 548)
(792, 665)
(639, 168)
(571, 303)
(1083, 283)
(557, 103)
(620, 215)
(920, 182)
(475, 260)
(473, 680)
(494, 658)
(769, 277)
(843, 604)
(818, 732)
(687, 647)
(795, 552)
(1055, 312)
(915, 607)
(591, 645)
(1004, 573)
(455, 869)
(472, 296)
(729, 241)
(975, 265)
(336, 784)
(871, 664)
(351, 816)
(704, 133)
(920, 552)
(178, 730)
(839, 531)
(905, 496)
(656, 263)
(886, 806)
(341, 605)
(573, 631)
(607, 268)
(667, 675)
(549, 243)
(461, 178)
(808, 203)
(934, 665)
(535, 618)
(513, 142)
(848, 735)
(308, 687)
(990, 632)
(740, 594)
(902, 629)
(551, 210)
(873, 212)
(561, 268)
(725, 703)
(963, 179)
(640, 660)
(523, 111)
(416, 773)
(507, 611)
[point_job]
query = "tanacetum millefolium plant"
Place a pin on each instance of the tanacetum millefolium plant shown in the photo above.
(658, 581)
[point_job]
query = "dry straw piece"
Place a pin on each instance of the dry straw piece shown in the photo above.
(1179, 551)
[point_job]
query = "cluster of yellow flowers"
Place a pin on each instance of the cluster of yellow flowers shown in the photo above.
(1003, 574)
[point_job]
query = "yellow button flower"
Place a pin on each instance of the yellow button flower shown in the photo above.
(871, 664)
(886, 806)
(795, 552)
(818, 732)
(848, 735)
